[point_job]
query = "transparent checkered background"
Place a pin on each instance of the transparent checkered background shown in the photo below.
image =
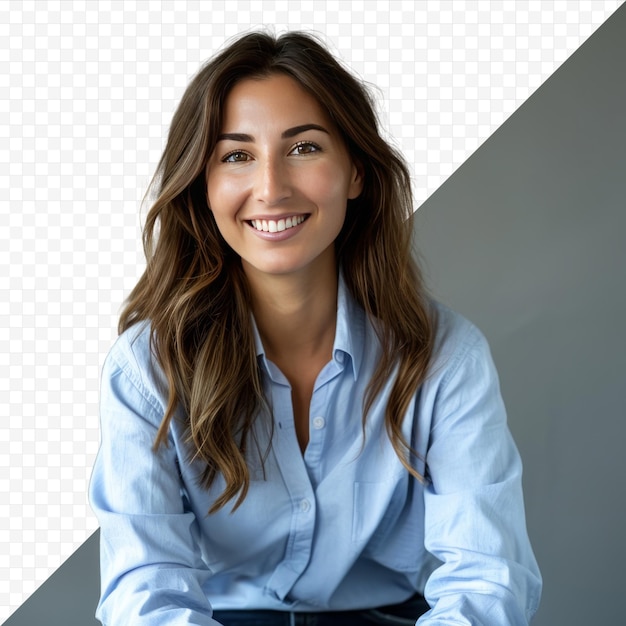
(87, 93)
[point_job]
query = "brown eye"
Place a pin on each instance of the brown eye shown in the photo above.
(237, 156)
(305, 147)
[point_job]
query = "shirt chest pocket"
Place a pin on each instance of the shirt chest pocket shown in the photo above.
(388, 522)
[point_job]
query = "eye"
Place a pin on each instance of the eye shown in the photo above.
(236, 156)
(305, 147)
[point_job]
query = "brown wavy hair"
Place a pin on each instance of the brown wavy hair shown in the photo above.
(194, 292)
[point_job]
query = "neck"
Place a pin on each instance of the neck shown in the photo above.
(296, 313)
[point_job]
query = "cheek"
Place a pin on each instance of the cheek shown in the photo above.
(224, 196)
(329, 185)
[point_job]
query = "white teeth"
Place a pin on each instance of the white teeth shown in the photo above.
(272, 226)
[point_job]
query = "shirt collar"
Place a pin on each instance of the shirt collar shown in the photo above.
(349, 334)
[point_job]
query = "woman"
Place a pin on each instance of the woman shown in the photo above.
(291, 431)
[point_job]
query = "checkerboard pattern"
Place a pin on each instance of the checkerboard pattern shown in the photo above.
(88, 90)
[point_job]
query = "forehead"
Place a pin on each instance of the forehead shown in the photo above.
(277, 99)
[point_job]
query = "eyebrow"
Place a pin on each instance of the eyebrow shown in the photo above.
(286, 134)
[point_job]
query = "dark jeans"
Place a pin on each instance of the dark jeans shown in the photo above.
(404, 614)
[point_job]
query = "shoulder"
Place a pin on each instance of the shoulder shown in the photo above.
(458, 343)
(132, 348)
(460, 404)
(132, 358)
(454, 332)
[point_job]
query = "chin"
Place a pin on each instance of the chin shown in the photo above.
(279, 267)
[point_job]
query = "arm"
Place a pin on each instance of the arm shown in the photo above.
(474, 511)
(151, 570)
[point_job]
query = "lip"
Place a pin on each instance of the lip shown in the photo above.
(279, 235)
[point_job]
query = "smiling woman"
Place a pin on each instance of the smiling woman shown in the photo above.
(292, 431)
(279, 179)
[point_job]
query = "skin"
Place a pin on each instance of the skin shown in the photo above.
(280, 156)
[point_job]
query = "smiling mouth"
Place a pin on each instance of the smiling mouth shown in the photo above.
(277, 226)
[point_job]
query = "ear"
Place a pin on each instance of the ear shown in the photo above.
(356, 181)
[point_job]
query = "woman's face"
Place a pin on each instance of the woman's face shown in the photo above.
(279, 178)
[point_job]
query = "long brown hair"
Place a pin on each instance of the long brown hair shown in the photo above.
(194, 293)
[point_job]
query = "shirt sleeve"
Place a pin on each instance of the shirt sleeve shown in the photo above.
(151, 570)
(474, 511)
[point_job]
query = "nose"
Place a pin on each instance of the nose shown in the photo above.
(272, 184)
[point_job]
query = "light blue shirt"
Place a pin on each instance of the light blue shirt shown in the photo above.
(339, 527)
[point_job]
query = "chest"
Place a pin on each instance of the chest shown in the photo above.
(301, 394)
(311, 498)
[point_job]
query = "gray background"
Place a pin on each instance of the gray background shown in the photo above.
(527, 240)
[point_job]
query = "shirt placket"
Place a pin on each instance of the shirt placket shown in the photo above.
(300, 474)
(298, 486)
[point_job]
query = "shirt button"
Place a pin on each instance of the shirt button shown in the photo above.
(340, 357)
(318, 423)
(305, 505)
